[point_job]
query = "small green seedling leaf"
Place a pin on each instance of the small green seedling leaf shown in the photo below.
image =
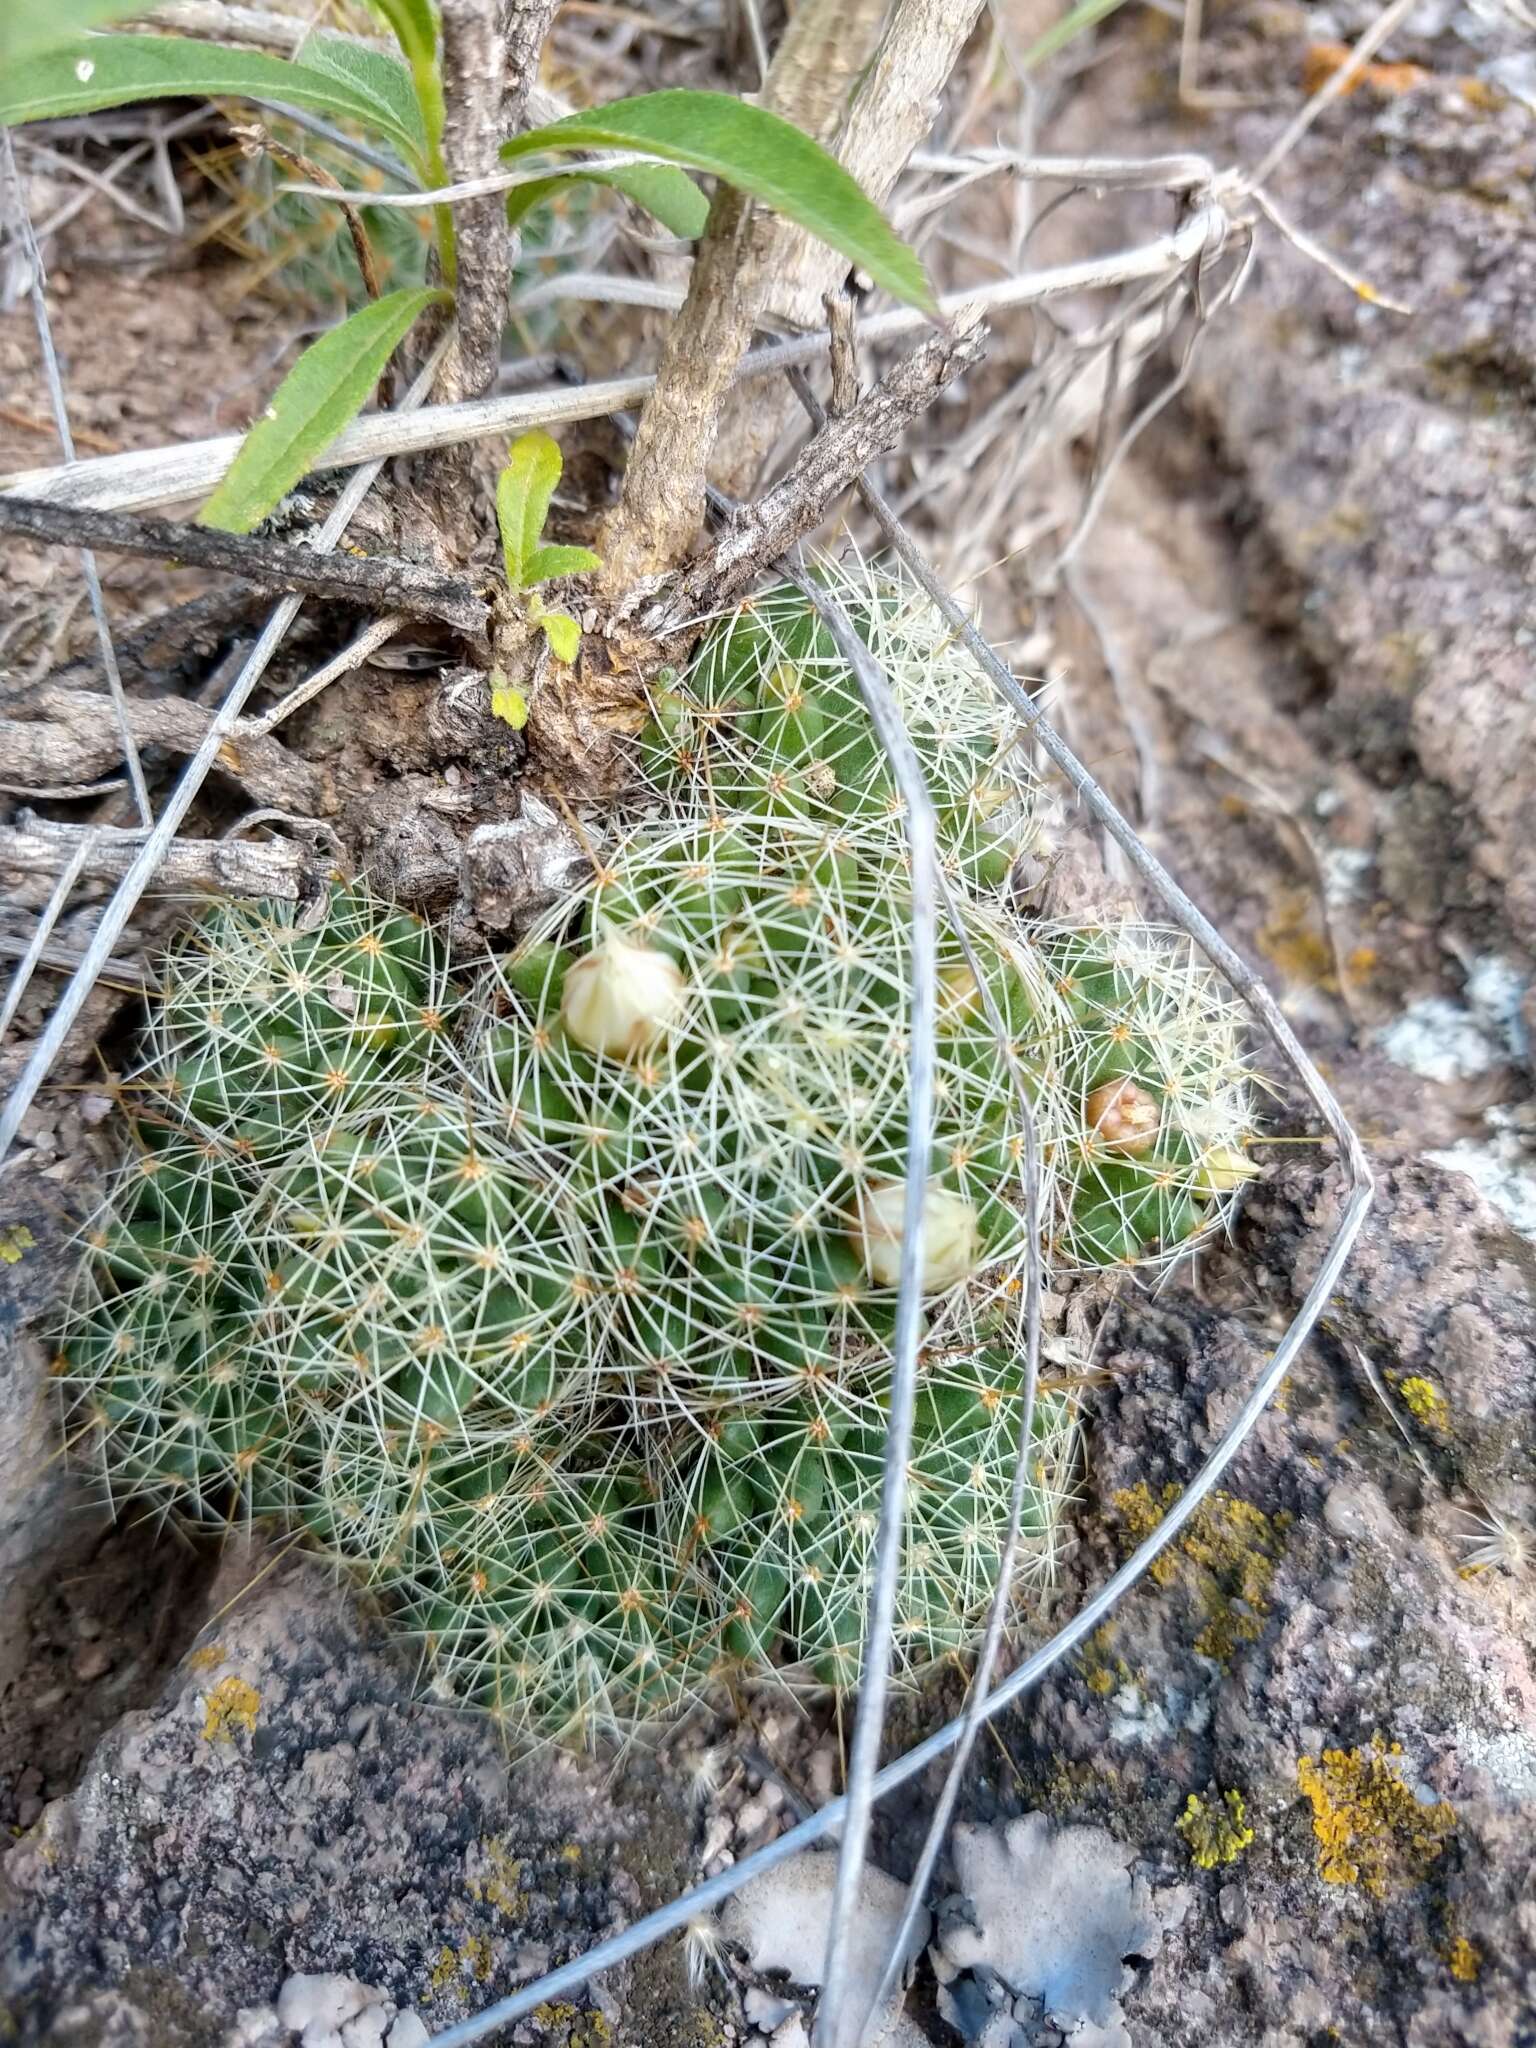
(756, 151)
(546, 563)
(90, 72)
(668, 194)
(523, 492)
(326, 389)
(27, 26)
(508, 702)
(563, 635)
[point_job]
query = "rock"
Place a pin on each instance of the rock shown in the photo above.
(408, 2031)
(1315, 1647)
(378, 1852)
(1056, 1916)
(781, 1919)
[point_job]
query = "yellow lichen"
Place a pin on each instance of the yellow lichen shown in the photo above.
(15, 1244)
(1463, 1960)
(1370, 1829)
(206, 1658)
(230, 1710)
(585, 2029)
(1425, 1403)
(475, 1959)
(1215, 1834)
(1225, 1559)
(496, 1884)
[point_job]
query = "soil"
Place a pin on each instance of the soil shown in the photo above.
(1300, 647)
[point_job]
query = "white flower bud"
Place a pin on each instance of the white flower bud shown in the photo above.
(949, 1235)
(620, 998)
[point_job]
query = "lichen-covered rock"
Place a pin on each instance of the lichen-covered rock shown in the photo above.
(1318, 1640)
(287, 1810)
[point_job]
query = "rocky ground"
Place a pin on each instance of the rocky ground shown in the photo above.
(1291, 1783)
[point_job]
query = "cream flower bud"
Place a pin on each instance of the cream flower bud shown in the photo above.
(620, 998)
(949, 1235)
(1124, 1115)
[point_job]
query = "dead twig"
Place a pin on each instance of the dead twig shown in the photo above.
(75, 740)
(372, 582)
(762, 532)
(254, 140)
(275, 867)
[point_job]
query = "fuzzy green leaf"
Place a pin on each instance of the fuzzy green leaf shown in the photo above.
(326, 388)
(545, 563)
(414, 23)
(27, 26)
(90, 72)
(562, 633)
(523, 492)
(668, 194)
(756, 151)
(508, 702)
(381, 82)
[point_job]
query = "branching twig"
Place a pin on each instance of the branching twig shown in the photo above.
(891, 109)
(374, 583)
(275, 867)
(762, 532)
(663, 498)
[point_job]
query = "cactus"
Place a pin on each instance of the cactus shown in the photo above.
(559, 1311)
(769, 720)
(718, 1046)
(271, 1020)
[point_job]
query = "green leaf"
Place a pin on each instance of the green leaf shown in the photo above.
(670, 195)
(1062, 32)
(562, 633)
(757, 152)
(523, 492)
(90, 72)
(27, 26)
(414, 23)
(508, 702)
(326, 388)
(545, 563)
(382, 83)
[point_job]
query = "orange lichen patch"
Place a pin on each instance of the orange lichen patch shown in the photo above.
(1225, 1560)
(1371, 1830)
(230, 1710)
(1216, 1834)
(1324, 59)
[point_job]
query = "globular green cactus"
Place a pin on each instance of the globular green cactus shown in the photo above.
(769, 720)
(779, 1511)
(717, 1044)
(1155, 1060)
(271, 1019)
(559, 1310)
